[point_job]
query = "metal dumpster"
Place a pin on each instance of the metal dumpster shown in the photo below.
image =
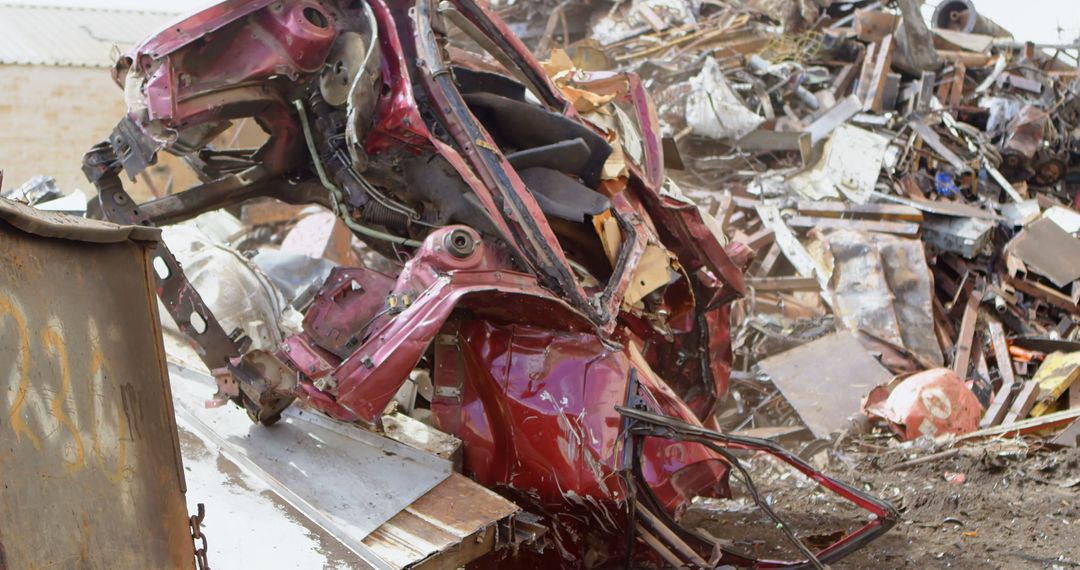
(90, 472)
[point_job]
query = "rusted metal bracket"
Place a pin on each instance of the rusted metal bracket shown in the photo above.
(215, 346)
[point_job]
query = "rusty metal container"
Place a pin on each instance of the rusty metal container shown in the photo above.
(90, 471)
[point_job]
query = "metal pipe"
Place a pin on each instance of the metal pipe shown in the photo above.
(657, 546)
(668, 535)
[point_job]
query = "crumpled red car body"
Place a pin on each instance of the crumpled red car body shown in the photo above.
(529, 360)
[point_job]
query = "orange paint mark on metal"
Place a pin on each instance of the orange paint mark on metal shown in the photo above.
(18, 425)
(98, 365)
(53, 340)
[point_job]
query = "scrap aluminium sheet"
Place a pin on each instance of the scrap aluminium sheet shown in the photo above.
(346, 480)
(89, 457)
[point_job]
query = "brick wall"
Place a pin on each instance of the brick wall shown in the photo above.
(50, 116)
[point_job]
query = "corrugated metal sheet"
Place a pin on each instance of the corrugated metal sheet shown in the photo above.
(48, 35)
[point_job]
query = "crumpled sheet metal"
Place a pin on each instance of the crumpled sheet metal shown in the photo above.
(238, 292)
(714, 110)
(931, 403)
(1049, 251)
(824, 380)
(881, 284)
(849, 165)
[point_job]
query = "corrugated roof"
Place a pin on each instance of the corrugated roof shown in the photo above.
(50, 35)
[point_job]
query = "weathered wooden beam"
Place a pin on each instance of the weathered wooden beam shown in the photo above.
(842, 209)
(966, 336)
(999, 406)
(1001, 352)
(783, 283)
(956, 94)
(1055, 298)
(906, 229)
(876, 94)
(1025, 400)
(1049, 421)
(765, 266)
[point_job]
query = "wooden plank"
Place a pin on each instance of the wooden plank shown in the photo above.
(1045, 293)
(451, 525)
(765, 266)
(876, 94)
(842, 209)
(980, 380)
(942, 327)
(956, 93)
(744, 203)
(906, 229)
(783, 283)
(998, 407)
(1001, 352)
(943, 89)
(867, 73)
(966, 336)
(759, 239)
(1049, 421)
(843, 79)
(1025, 400)
(967, 58)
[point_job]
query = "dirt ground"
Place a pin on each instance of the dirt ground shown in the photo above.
(1003, 505)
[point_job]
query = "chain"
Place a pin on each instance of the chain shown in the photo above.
(200, 539)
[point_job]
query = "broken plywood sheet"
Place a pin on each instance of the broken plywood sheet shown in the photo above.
(825, 380)
(453, 524)
(1049, 251)
(1056, 374)
(850, 165)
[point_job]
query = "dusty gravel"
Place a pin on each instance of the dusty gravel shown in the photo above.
(1002, 505)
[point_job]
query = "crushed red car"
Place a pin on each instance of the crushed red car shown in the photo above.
(572, 303)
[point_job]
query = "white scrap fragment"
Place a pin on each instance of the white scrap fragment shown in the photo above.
(714, 110)
(850, 165)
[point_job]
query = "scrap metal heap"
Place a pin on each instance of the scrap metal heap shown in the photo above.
(570, 304)
(909, 186)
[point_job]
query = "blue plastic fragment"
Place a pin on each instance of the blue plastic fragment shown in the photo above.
(945, 184)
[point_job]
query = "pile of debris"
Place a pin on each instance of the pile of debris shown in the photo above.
(909, 188)
(595, 307)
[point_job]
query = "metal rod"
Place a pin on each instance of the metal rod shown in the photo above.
(660, 549)
(668, 535)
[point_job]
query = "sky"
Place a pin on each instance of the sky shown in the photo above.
(1047, 21)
